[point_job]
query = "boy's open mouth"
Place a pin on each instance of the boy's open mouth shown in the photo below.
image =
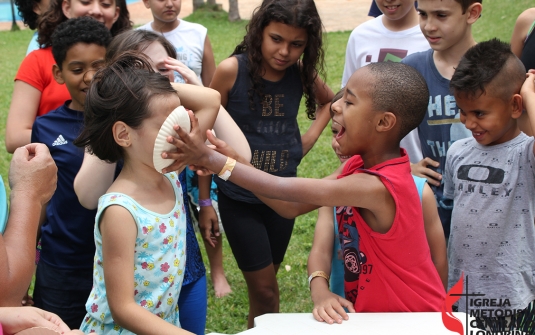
(340, 133)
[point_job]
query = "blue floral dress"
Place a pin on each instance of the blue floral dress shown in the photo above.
(158, 267)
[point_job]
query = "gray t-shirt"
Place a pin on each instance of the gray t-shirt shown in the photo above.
(492, 229)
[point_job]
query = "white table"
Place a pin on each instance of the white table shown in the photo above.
(358, 323)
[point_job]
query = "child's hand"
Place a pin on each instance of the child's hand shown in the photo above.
(189, 76)
(421, 169)
(329, 307)
(191, 147)
(209, 225)
(528, 88)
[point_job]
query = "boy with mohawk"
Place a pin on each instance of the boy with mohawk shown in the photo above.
(491, 180)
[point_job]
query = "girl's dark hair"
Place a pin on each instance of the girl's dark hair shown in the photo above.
(25, 8)
(137, 40)
(296, 13)
(122, 91)
(54, 16)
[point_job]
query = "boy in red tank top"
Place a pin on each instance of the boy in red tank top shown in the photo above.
(388, 266)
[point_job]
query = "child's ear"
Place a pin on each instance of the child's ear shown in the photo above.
(387, 122)
(66, 8)
(117, 12)
(516, 106)
(474, 12)
(56, 72)
(121, 134)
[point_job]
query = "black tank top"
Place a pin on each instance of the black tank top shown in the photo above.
(271, 129)
(528, 52)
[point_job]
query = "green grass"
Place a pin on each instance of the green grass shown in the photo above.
(229, 314)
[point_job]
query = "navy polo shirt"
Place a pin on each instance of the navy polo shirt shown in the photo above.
(67, 232)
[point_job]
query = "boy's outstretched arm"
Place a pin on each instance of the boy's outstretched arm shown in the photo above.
(286, 209)
(328, 306)
(435, 234)
(358, 190)
(528, 98)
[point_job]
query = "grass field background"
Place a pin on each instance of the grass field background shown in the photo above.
(229, 314)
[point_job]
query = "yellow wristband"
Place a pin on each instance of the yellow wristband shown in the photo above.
(318, 274)
(226, 171)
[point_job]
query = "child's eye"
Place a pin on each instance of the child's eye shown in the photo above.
(347, 102)
(274, 38)
(297, 45)
(479, 114)
(106, 5)
(422, 13)
(77, 71)
(335, 132)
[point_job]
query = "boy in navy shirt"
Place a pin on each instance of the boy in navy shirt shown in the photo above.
(64, 273)
(447, 26)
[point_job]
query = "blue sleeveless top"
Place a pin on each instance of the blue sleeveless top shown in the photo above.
(271, 128)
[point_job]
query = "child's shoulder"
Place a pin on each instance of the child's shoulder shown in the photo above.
(191, 26)
(418, 58)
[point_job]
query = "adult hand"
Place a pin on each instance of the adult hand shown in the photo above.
(33, 173)
(421, 169)
(16, 319)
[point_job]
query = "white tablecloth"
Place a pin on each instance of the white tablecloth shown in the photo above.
(358, 323)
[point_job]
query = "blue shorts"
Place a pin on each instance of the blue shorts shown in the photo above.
(192, 305)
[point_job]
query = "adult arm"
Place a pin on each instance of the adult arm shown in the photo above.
(328, 306)
(22, 113)
(32, 178)
(435, 234)
(119, 234)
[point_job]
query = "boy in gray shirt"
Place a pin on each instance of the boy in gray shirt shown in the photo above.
(490, 178)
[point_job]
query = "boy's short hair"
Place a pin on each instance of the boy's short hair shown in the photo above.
(467, 3)
(80, 30)
(491, 67)
(400, 89)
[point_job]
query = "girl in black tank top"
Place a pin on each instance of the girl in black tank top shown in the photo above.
(261, 86)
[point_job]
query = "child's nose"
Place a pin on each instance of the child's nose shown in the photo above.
(337, 106)
(95, 10)
(88, 76)
(284, 49)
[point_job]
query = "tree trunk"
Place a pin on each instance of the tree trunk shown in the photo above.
(212, 3)
(233, 12)
(197, 4)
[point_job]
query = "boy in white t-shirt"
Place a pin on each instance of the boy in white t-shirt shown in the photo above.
(190, 40)
(388, 37)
